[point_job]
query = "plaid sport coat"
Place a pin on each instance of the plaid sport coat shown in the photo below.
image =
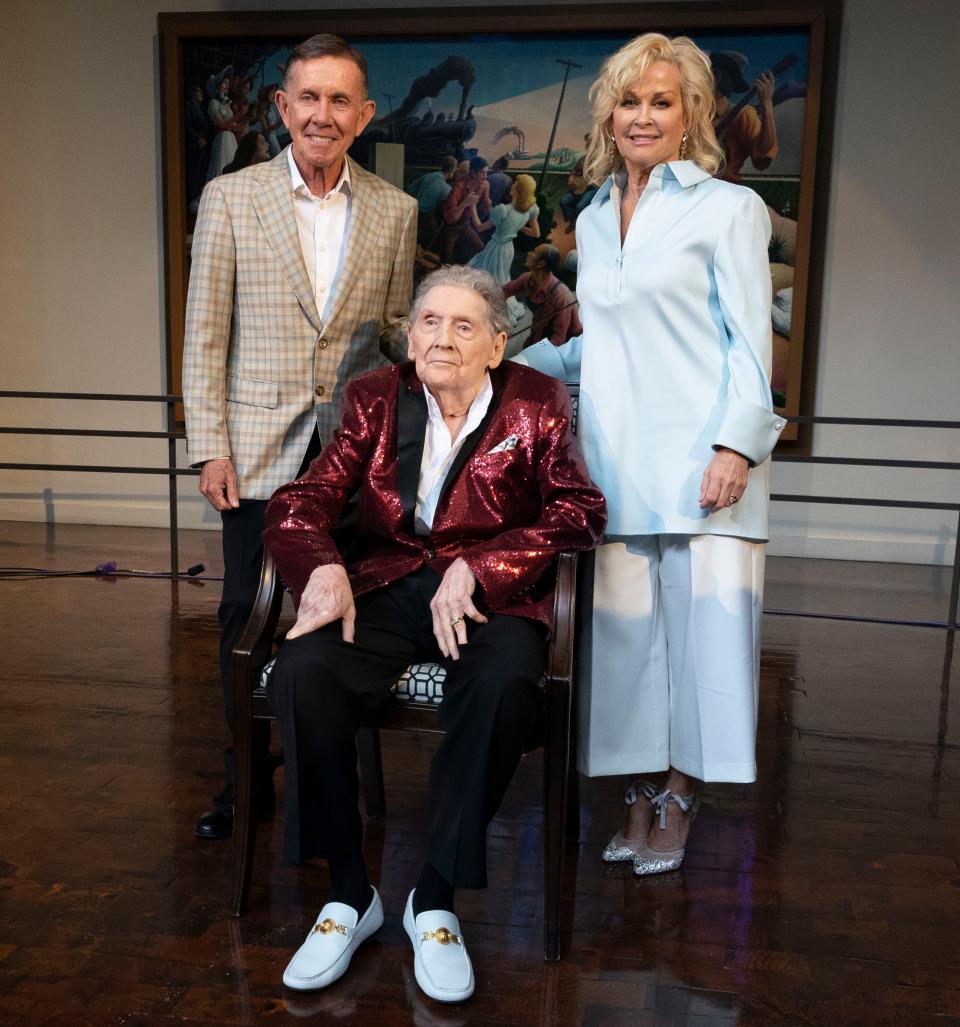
(259, 367)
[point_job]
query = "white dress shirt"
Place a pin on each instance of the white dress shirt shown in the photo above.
(323, 223)
(675, 355)
(439, 452)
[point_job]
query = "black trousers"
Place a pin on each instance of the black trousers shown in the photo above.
(242, 560)
(323, 689)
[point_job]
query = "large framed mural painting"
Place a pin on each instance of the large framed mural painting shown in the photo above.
(511, 89)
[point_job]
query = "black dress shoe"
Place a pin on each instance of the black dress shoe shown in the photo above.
(216, 823)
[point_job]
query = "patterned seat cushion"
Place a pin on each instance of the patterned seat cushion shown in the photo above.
(420, 683)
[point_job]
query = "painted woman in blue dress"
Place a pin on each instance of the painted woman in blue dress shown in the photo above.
(677, 426)
(507, 220)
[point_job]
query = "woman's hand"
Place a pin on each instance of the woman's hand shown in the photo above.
(478, 223)
(532, 228)
(724, 480)
(451, 603)
(327, 597)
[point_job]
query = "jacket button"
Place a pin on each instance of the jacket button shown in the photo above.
(323, 344)
(319, 390)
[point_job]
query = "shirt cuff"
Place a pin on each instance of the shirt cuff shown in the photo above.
(542, 356)
(748, 429)
(207, 459)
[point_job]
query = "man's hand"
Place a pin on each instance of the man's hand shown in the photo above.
(451, 604)
(218, 483)
(327, 597)
(765, 85)
(724, 480)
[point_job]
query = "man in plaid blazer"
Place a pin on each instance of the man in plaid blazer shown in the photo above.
(301, 273)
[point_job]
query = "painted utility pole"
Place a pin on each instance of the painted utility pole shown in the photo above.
(556, 119)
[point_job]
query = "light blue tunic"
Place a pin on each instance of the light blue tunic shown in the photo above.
(675, 354)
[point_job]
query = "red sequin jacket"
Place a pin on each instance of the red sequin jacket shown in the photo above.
(516, 496)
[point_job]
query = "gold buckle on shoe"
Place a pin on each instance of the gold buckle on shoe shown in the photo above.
(328, 926)
(442, 935)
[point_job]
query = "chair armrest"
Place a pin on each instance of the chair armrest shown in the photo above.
(263, 619)
(560, 655)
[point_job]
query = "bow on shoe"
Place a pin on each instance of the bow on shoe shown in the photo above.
(659, 803)
(637, 788)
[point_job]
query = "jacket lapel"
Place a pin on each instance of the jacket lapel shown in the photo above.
(364, 227)
(470, 442)
(411, 432)
(274, 207)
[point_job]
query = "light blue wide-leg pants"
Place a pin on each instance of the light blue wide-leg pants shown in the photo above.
(670, 658)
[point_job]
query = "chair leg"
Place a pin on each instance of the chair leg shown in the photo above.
(573, 789)
(244, 839)
(556, 760)
(244, 824)
(371, 771)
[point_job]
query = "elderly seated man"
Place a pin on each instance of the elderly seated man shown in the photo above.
(469, 484)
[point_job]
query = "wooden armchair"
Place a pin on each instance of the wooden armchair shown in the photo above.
(417, 698)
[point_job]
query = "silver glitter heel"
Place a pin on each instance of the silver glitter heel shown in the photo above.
(652, 861)
(617, 850)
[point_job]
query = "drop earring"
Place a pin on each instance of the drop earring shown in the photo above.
(683, 147)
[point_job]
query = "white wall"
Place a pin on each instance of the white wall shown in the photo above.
(889, 344)
(81, 296)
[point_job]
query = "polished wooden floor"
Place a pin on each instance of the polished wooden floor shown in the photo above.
(828, 893)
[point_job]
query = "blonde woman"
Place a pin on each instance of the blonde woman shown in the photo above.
(677, 428)
(508, 219)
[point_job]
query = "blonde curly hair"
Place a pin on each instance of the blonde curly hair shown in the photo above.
(627, 66)
(523, 191)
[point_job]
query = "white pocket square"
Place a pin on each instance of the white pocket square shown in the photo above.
(510, 442)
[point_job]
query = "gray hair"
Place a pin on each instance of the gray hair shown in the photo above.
(325, 44)
(476, 280)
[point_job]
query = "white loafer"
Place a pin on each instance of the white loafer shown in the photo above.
(440, 961)
(331, 943)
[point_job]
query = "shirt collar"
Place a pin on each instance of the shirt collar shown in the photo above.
(668, 178)
(548, 283)
(684, 172)
(474, 415)
(300, 187)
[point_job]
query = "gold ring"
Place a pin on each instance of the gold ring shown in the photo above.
(456, 621)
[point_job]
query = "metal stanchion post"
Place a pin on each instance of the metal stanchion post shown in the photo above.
(172, 479)
(955, 584)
